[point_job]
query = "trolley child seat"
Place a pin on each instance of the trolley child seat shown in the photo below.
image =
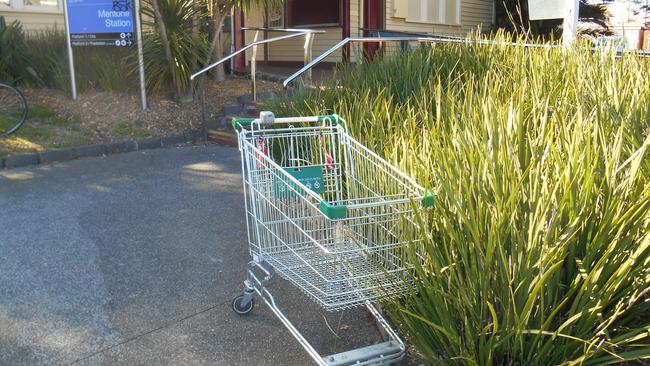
(330, 216)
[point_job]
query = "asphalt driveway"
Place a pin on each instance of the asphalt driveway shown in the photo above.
(133, 259)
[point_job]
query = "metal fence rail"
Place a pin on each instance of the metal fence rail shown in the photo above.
(292, 33)
(403, 38)
(429, 39)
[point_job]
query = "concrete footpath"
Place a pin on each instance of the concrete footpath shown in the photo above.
(133, 259)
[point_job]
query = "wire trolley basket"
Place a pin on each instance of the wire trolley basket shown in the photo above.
(330, 216)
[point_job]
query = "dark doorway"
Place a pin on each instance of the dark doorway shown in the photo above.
(373, 18)
(313, 13)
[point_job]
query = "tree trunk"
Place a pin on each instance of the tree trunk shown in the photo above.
(218, 19)
(195, 19)
(216, 47)
(220, 70)
(162, 29)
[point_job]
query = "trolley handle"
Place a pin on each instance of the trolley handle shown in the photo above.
(267, 118)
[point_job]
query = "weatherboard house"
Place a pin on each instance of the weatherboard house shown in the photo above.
(337, 19)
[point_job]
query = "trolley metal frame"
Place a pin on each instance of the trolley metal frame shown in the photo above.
(330, 216)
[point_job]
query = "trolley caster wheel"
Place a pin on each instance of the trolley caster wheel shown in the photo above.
(240, 308)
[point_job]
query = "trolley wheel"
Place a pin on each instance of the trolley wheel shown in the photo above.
(240, 308)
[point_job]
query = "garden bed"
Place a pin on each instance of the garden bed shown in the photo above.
(537, 248)
(56, 121)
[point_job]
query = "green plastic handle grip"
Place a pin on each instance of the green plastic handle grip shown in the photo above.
(241, 121)
(334, 118)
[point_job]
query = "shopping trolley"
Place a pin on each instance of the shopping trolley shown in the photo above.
(330, 216)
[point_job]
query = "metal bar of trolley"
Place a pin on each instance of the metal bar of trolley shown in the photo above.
(330, 216)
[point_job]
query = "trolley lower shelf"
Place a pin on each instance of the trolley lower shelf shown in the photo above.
(337, 282)
(259, 274)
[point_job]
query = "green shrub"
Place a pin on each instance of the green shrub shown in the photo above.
(188, 49)
(188, 52)
(47, 61)
(40, 59)
(104, 68)
(537, 249)
(13, 53)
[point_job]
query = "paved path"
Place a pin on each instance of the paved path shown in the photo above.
(133, 259)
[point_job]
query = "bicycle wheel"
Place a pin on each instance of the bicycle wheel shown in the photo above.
(13, 109)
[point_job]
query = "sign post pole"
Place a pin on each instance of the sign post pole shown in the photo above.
(103, 23)
(73, 82)
(570, 23)
(143, 89)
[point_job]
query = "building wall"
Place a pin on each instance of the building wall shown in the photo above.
(356, 18)
(35, 21)
(293, 49)
(473, 14)
(627, 19)
(290, 49)
(254, 18)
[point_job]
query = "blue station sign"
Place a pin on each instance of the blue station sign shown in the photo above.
(101, 22)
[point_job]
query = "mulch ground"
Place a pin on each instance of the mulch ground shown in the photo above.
(57, 121)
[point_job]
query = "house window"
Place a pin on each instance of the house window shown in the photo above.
(302, 13)
(42, 3)
(428, 11)
(47, 6)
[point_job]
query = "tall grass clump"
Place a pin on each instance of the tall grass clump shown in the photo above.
(40, 59)
(12, 52)
(536, 251)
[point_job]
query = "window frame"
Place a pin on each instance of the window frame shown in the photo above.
(289, 23)
(18, 6)
(457, 22)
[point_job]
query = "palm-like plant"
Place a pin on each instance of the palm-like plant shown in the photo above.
(173, 51)
(179, 46)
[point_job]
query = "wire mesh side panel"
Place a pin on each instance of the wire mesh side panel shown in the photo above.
(281, 214)
(370, 179)
(286, 227)
(381, 220)
(339, 263)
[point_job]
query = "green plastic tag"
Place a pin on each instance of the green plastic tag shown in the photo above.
(310, 176)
